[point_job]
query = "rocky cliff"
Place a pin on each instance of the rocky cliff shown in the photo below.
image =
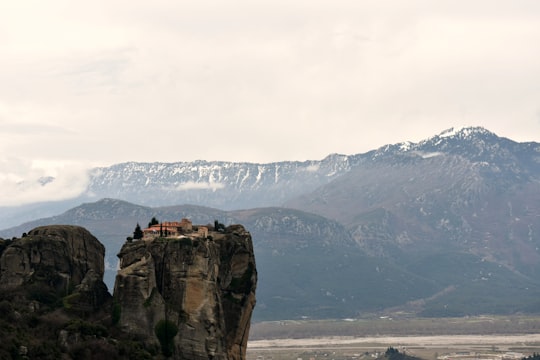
(51, 262)
(192, 295)
(188, 297)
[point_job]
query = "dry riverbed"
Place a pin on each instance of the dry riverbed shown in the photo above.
(451, 347)
(425, 341)
(494, 346)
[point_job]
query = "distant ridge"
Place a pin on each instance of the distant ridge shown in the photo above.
(242, 185)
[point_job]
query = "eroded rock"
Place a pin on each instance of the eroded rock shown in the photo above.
(200, 289)
(56, 261)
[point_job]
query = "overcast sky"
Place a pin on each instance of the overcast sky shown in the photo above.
(86, 83)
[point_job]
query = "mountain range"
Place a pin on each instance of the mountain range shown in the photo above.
(447, 226)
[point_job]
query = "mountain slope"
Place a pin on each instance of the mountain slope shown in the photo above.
(299, 257)
(467, 198)
(310, 266)
(461, 190)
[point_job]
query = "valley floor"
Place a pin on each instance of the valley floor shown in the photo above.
(448, 347)
(485, 338)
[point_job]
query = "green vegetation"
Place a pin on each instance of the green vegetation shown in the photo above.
(166, 331)
(471, 278)
(86, 328)
(43, 293)
(137, 234)
(154, 221)
(135, 350)
(116, 313)
(394, 354)
(37, 328)
(68, 301)
(183, 241)
(219, 226)
(312, 290)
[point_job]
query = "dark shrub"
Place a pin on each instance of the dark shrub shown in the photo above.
(166, 331)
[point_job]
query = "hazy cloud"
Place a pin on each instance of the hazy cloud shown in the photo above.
(24, 182)
(108, 81)
(313, 168)
(191, 185)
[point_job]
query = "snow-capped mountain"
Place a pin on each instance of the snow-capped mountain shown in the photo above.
(231, 185)
(477, 144)
(466, 190)
(225, 185)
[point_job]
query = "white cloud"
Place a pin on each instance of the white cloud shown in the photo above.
(23, 182)
(192, 185)
(429, 154)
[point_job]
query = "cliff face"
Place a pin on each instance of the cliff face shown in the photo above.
(183, 297)
(53, 262)
(192, 296)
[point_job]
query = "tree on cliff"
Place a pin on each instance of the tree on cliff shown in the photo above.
(154, 221)
(218, 226)
(137, 234)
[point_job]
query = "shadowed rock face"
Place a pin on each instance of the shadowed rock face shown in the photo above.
(203, 288)
(57, 259)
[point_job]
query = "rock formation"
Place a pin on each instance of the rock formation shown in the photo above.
(54, 262)
(188, 296)
(192, 295)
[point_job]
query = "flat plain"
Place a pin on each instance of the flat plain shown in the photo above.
(483, 337)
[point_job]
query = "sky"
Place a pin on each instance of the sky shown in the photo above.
(94, 83)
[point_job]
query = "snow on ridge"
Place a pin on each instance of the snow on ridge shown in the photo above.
(463, 131)
(244, 178)
(405, 146)
(260, 174)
